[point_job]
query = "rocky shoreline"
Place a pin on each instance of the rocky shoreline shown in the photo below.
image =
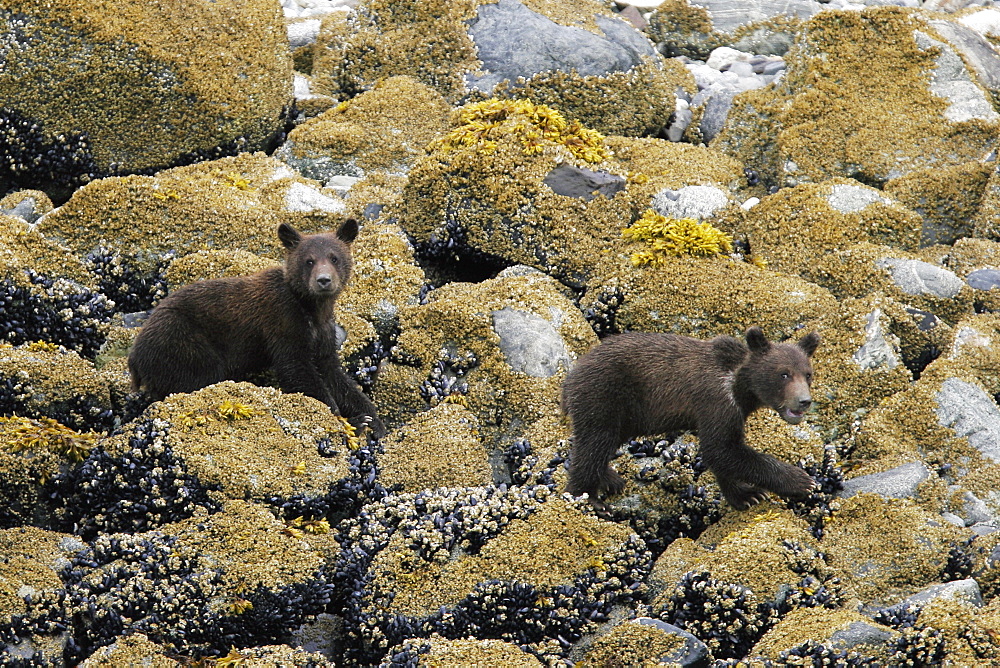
(798, 166)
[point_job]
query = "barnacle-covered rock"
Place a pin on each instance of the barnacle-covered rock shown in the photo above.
(645, 641)
(770, 553)
(438, 651)
(575, 54)
(520, 565)
(226, 90)
(834, 632)
(886, 549)
(917, 280)
(234, 578)
(702, 297)
(23, 250)
(28, 205)
(385, 128)
(209, 264)
(235, 202)
(386, 277)
(933, 109)
(34, 626)
(135, 649)
(237, 440)
(504, 344)
(437, 448)
(42, 380)
(795, 229)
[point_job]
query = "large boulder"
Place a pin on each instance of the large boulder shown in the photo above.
(91, 90)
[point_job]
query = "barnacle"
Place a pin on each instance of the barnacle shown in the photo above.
(483, 124)
(672, 237)
(32, 433)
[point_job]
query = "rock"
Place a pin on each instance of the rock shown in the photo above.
(437, 356)
(900, 482)
(877, 351)
(647, 640)
(861, 137)
(697, 202)
(811, 631)
(438, 448)
(970, 413)
(585, 184)
(385, 128)
(958, 590)
(513, 50)
(220, 92)
(461, 550)
(460, 652)
(983, 279)
(29, 205)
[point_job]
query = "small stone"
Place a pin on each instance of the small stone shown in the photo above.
(900, 482)
(572, 181)
(530, 344)
(983, 279)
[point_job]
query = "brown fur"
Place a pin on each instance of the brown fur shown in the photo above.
(635, 384)
(278, 319)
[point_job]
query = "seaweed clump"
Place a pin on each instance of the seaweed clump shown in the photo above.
(673, 237)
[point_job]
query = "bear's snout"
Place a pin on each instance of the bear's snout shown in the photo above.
(324, 281)
(794, 409)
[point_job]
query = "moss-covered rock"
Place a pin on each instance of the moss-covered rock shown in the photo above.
(217, 83)
(385, 128)
(230, 203)
(887, 549)
(520, 565)
(821, 120)
(229, 440)
(233, 578)
(503, 346)
(576, 55)
(34, 626)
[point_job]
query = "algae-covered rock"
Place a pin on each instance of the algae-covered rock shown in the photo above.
(504, 344)
(206, 584)
(574, 54)
(229, 440)
(794, 229)
(385, 128)
(27, 205)
(885, 549)
(34, 626)
(134, 649)
(219, 81)
(838, 630)
(702, 297)
(209, 264)
(644, 641)
(224, 204)
(822, 120)
(41, 380)
(438, 651)
(520, 565)
(438, 448)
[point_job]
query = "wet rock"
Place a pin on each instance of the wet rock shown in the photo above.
(900, 482)
(218, 94)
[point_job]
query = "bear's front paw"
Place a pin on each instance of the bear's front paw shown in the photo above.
(612, 483)
(368, 424)
(795, 482)
(741, 495)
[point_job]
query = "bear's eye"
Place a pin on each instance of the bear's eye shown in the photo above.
(334, 259)
(784, 375)
(809, 377)
(310, 262)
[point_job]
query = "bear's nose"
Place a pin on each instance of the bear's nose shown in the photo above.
(324, 281)
(804, 403)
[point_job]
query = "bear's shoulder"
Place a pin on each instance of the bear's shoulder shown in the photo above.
(729, 353)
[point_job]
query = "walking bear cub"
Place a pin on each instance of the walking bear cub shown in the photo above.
(279, 319)
(636, 383)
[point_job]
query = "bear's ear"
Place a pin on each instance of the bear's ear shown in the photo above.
(757, 342)
(348, 232)
(809, 343)
(289, 236)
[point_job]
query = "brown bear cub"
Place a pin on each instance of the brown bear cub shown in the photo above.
(280, 319)
(635, 384)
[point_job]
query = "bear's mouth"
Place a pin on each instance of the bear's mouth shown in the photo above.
(790, 416)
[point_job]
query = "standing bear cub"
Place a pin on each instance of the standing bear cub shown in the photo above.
(635, 383)
(278, 319)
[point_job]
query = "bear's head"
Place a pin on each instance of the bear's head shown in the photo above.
(780, 374)
(318, 265)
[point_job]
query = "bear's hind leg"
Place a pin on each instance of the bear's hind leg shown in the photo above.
(589, 470)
